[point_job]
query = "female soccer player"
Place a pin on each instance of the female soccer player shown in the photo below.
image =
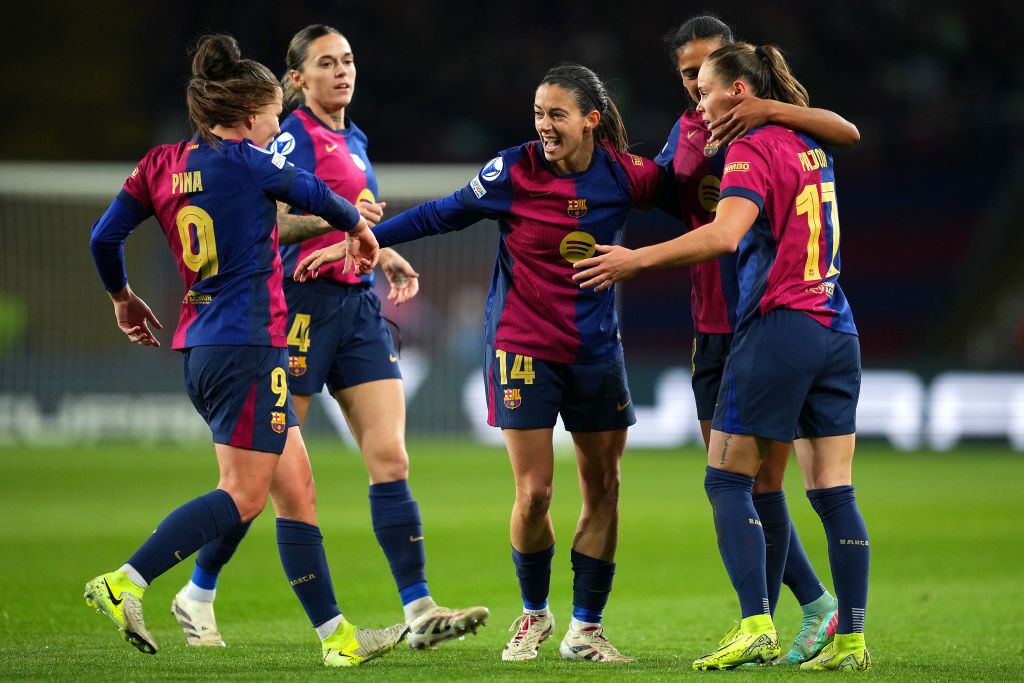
(337, 335)
(551, 348)
(696, 157)
(794, 368)
(214, 196)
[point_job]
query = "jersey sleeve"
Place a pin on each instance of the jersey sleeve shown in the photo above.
(668, 152)
(487, 195)
(106, 242)
(747, 171)
(136, 187)
(646, 179)
(280, 179)
(294, 145)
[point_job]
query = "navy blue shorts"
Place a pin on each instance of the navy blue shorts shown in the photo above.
(242, 393)
(708, 364)
(336, 336)
(529, 393)
(790, 377)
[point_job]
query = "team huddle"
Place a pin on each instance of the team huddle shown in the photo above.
(276, 229)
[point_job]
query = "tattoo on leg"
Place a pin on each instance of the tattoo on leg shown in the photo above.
(725, 448)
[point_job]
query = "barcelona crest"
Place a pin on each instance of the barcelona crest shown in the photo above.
(278, 422)
(513, 398)
(296, 366)
(577, 208)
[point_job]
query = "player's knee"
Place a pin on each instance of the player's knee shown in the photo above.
(603, 491)
(533, 498)
(386, 457)
(249, 503)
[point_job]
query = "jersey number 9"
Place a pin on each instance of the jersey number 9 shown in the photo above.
(198, 243)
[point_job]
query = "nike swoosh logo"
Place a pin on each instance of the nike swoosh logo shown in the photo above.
(691, 133)
(393, 358)
(414, 539)
(539, 194)
(111, 594)
(622, 406)
(177, 554)
(331, 148)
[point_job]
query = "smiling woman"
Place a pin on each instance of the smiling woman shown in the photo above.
(551, 348)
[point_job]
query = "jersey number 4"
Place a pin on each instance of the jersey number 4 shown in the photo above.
(298, 335)
(198, 243)
(809, 202)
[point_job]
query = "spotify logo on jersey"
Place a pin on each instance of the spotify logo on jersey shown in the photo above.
(708, 191)
(577, 246)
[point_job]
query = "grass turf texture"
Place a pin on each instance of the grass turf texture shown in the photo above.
(946, 590)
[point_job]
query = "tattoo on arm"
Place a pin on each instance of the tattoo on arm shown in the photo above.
(294, 229)
(725, 448)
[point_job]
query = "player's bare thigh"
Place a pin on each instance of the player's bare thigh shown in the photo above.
(739, 453)
(375, 412)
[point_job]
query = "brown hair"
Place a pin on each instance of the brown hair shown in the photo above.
(763, 68)
(589, 94)
(298, 50)
(224, 88)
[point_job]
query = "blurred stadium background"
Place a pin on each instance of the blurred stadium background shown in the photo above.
(931, 198)
(932, 204)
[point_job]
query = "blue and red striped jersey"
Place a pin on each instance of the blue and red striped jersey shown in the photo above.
(217, 207)
(338, 157)
(546, 224)
(790, 257)
(713, 284)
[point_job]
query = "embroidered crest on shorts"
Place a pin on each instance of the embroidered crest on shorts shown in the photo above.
(513, 398)
(296, 366)
(278, 422)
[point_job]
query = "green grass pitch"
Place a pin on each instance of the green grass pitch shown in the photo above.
(947, 581)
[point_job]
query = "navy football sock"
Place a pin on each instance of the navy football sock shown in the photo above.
(771, 508)
(800, 576)
(591, 585)
(184, 531)
(305, 565)
(534, 573)
(396, 522)
(848, 552)
(740, 538)
(215, 554)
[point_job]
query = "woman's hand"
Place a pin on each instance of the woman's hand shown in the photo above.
(360, 252)
(134, 316)
(749, 113)
(616, 264)
(373, 212)
(403, 279)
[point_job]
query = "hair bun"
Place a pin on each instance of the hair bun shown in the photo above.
(217, 57)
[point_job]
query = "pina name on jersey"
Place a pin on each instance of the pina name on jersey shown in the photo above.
(186, 181)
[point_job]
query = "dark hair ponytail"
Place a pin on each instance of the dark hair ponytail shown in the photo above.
(763, 68)
(224, 88)
(701, 27)
(590, 94)
(298, 50)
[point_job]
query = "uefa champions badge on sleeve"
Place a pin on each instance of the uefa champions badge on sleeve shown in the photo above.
(493, 169)
(283, 144)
